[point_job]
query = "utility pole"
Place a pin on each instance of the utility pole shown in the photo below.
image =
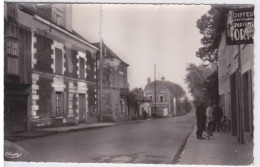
(155, 90)
(240, 99)
(100, 63)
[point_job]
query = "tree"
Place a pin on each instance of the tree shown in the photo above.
(202, 82)
(175, 89)
(186, 104)
(211, 25)
(132, 99)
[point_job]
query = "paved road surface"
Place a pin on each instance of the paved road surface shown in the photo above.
(155, 141)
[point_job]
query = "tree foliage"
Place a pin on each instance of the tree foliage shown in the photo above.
(202, 82)
(175, 89)
(133, 94)
(211, 25)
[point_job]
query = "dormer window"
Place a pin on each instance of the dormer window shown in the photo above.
(57, 15)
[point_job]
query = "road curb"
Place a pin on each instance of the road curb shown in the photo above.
(49, 133)
(182, 148)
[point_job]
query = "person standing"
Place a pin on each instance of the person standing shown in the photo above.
(201, 120)
(210, 117)
(218, 114)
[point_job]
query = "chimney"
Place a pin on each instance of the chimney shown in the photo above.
(163, 79)
(148, 80)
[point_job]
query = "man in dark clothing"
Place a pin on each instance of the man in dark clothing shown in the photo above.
(218, 114)
(201, 120)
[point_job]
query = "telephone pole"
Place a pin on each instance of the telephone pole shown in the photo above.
(155, 90)
(100, 63)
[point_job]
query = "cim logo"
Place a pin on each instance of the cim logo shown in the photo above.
(10, 154)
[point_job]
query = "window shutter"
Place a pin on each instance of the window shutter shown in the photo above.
(81, 68)
(65, 104)
(58, 60)
(53, 104)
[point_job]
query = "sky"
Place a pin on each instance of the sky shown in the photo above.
(144, 35)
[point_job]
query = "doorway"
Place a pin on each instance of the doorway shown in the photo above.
(233, 89)
(82, 108)
(15, 113)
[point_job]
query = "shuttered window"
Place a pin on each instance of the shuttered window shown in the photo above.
(161, 98)
(12, 56)
(81, 68)
(58, 61)
(12, 29)
(151, 97)
(59, 103)
(12, 65)
(11, 10)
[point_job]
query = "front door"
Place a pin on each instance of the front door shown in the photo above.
(82, 108)
(15, 110)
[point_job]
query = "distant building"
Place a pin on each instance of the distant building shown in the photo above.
(228, 76)
(144, 110)
(165, 101)
(115, 85)
(49, 69)
(139, 106)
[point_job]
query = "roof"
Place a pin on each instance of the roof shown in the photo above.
(79, 36)
(142, 98)
(160, 86)
(32, 9)
(109, 52)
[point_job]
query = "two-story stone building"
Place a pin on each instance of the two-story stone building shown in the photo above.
(115, 85)
(49, 69)
(230, 77)
(228, 83)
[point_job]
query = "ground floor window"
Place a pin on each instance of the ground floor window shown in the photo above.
(59, 103)
(122, 105)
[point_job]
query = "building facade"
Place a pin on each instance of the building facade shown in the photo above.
(50, 70)
(165, 101)
(139, 106)
(115, 86)
(230, 77)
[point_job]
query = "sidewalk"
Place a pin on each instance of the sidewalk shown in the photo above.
(221, 149)
(54, 130)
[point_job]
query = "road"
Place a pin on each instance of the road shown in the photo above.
(152, 141)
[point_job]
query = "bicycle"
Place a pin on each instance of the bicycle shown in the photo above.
(225, 124)
(207, 130)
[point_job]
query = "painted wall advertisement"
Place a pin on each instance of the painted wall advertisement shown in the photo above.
(240, 26)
